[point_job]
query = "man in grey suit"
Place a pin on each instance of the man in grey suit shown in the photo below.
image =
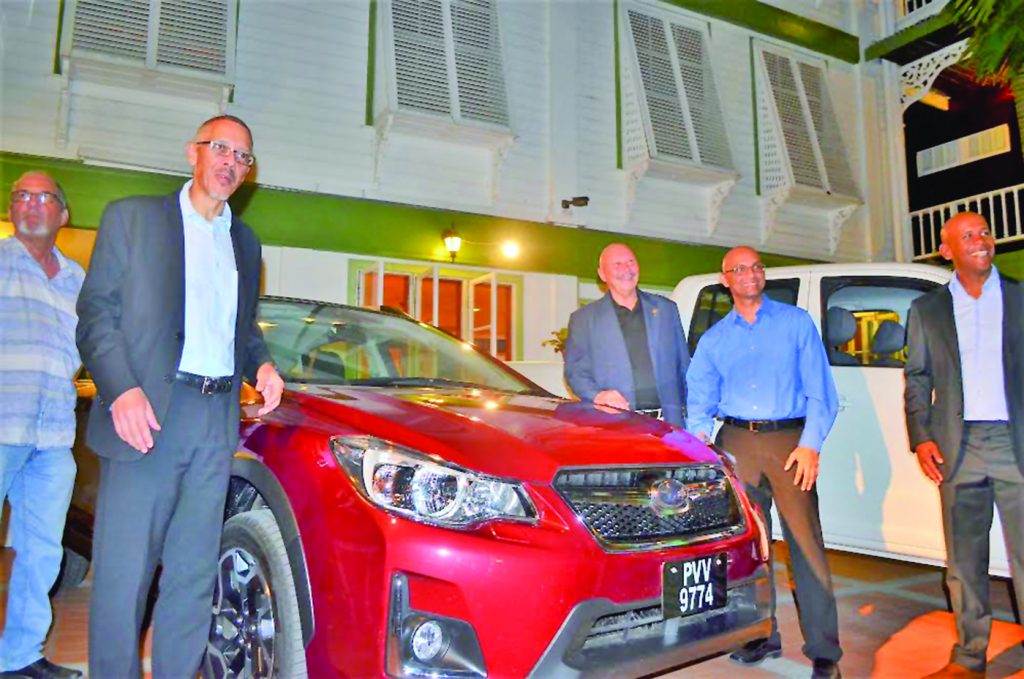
(627, 349)
(965, 416)
(167, 326)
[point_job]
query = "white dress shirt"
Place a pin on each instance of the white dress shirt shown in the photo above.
(211, 292)
(979, 332)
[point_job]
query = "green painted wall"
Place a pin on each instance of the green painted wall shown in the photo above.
(317, 221)
(778, 23)
(1011, 264)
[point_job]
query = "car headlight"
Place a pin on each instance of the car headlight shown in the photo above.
(424, 488)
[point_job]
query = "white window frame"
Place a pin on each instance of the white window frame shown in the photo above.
(151, 62)
(778, 185)
(390, 115)
(105, 72)
(715, 182)
(668, 18)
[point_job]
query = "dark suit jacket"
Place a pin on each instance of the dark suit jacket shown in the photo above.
(933, 367)
(596, 357)
(131, 311)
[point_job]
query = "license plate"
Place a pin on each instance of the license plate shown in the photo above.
(694, 586)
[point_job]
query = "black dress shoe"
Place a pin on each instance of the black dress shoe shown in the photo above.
(43, 669)
(755, 653)
(826, 669)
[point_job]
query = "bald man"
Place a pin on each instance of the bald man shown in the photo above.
(38, 358)
(965, 417)
(627, 349)
(763, 371)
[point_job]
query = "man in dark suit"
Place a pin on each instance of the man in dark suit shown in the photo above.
(627, 349)
(167, 327)
(965, 416)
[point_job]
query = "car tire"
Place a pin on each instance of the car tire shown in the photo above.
(256, 629)
(73, 570)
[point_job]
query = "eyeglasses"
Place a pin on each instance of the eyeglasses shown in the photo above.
(40, 198)
(223, 150)
(744, 268)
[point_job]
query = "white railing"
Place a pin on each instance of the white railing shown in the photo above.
(1002, 208)
(910, 12)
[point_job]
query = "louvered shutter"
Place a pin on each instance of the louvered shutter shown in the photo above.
(826, 128)
(421, 65)
(478, 63)
(701, 96)
(668, 133)
(193, 34)
(796, 129)
(115, 27)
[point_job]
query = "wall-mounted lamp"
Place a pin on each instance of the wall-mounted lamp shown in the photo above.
(452, 242)
(575, 201)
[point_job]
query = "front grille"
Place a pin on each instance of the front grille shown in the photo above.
(625, 509)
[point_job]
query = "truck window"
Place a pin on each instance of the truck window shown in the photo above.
(864, 319)
(714, 302)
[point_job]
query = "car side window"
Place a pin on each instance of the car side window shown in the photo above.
(864, 319)
(714, 302)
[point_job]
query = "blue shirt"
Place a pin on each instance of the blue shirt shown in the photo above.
(211, 292)
(773, 369)
(38, 356)
(979, 333)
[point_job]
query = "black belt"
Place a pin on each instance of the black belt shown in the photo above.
(206, 385)
(652, 412)
(765, 425)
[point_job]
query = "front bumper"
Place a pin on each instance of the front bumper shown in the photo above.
(603, 639)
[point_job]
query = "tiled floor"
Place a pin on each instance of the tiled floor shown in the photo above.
(892, 622)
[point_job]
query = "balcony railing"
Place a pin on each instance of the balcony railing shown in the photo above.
(910, 12)
(1002, 208)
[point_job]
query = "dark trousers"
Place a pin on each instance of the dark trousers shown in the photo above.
(165, 507)
(760, 459)
(987, 476)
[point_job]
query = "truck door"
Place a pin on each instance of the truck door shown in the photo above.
(873, 496)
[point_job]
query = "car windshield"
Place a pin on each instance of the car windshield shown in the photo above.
(319, 343)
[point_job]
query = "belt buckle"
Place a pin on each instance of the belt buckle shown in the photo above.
(207, 387)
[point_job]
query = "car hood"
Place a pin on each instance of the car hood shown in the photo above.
(525, 437)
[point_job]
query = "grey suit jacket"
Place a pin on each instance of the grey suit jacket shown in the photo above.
(131, 311)
(934, 393)
(596, 357)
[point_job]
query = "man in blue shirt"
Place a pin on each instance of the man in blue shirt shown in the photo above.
(38, 358)
(763, 371)
(965, 404)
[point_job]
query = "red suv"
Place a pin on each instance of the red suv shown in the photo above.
(416, 508)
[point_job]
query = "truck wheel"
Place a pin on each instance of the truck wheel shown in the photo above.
(256, 629)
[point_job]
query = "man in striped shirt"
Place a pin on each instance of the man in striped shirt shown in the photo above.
(38, 358)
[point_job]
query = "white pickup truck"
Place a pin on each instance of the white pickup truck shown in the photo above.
(873, 497)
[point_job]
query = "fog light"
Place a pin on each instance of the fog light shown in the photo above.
(426, 644)
(427, 641)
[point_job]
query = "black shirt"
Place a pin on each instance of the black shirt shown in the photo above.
(634, 331)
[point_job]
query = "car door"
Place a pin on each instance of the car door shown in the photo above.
(873, 496)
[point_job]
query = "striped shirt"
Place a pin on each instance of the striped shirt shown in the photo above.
(38, 356)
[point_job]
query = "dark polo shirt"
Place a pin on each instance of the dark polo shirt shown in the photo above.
(634, 331)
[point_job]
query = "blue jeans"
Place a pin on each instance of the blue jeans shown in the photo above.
(38, 484)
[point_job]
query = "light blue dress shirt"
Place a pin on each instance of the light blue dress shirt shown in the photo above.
(211, 292)
(773, 369)
(979, 333)
(38, 355)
